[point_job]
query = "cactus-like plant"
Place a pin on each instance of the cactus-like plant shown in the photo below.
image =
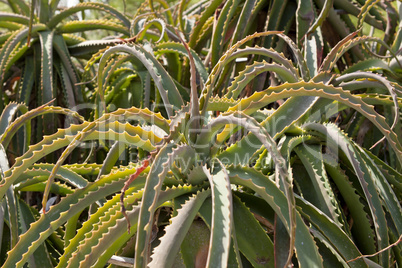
(227, 175)
(36, 65)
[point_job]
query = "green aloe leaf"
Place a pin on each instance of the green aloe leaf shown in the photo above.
(81, 254)
(252, 239)
(222, 218)
(244, 16)
(312, 159)
(109, 246)
(41, 256)
(167, 47)
(177, 230)
(88, 25)
(55, 20)
(305, 16)
(10, 17)
(165, 85)
(12, 43)
(28, 81)
(98, 218)
(19, 6)
(25, 119)
(61, 212)
(221, 28)
(363, 172)
(47, 90)
(257, 100)
(202, 20)
(161, 163)
(9, 112)
(365, 242)
(251, 71)
(101, 129)
(305, 247)
(324, 13)
(44, 169)
(330, 230)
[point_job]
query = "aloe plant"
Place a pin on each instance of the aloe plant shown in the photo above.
(194, 177)
(226, 174)
(35, 60)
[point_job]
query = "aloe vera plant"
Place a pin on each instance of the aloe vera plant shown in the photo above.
(227, 174)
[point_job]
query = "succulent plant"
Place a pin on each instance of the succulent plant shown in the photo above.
(255, 163)
(35, 58)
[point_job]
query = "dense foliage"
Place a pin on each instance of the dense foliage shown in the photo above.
(233, 133)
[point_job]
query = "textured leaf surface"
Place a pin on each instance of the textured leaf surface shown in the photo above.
(58, 214)
(222, 223)
(169, 93)
(306, 249)
(169, 246)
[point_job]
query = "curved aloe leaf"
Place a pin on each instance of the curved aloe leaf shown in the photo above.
(109, 246)
(164, 158)
(222, 219)
(103, 130)
(252, 239)
(385, 191)
(41, 256)
(177, 230)
(363, 172)
(21, 19)
(112, 207)
(251, 71)
(86, 6)
(227, 57)
(201, 21)
(11, 44)
(324, 13)
(258, 100)
(365, 242)
(83, 246)
(8, 114)
(221, 29)
(61, 212)
(166, 47)
(306, 249)
(158, 23)
(251, 125)
(331, 231)
(63, 173)
(168, 91)
(6, 137)
(364, 12)
(385, 82)
(283, 118)
(88, 25)
(343, 46)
